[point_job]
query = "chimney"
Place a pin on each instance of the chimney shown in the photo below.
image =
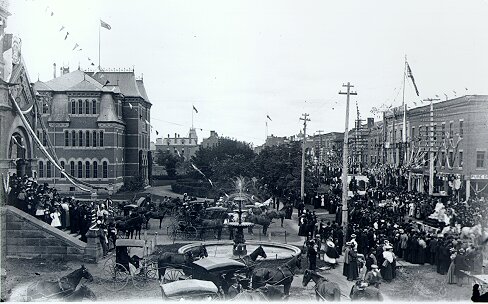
(54, 72)
(175, 135)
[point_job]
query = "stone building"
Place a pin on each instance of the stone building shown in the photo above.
(211, 141)
(185, 147)
(98, 126)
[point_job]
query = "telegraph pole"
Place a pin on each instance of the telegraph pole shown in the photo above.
(344, 160)
(302, 183)
(431, 146)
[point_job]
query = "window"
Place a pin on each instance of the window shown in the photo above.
(450, 129)
(435, 133)
(80, 138)
(66, 138)
(451, 158)
(480, 159)
(87, 138)
(94, 106)
(80, 169)
(101, 138)
(73, 106)
(461, 129)
(443, 135)
(80, 106)
(41, 169)
(45, 108)
(105, 169)
(48, 169)
(73, 138)
(87, 106)
(72, 168)
(117, 138)
(411, 135)
(62, 164)
(95, 169)
(94, 138)
(461, 159)
(443, 159)
(44, 138)
(87, 169)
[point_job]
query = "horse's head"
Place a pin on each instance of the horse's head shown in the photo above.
(307, 276)
(87, 293)
(261, 252)
(203, 251)
(85, 274)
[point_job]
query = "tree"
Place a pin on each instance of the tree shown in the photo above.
(169, 161)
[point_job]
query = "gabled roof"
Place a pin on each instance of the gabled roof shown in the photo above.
(142, 89)
(125, 80)
(74, 81)
(84, 86)
(41, 86)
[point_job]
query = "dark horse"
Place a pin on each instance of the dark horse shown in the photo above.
(273, 214)
(281, 276)
(261, 219)
(324, 290)
(170, 259)
(251, 258)
(131, 225)
(81, 293)
(156, 214)
(61, 288)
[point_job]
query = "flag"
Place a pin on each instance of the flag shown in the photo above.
(267, 116)
(105, 25)
(106, 83)
(410, 75)
(62, 28)
(76, 45)
(195, 109)
(66, 37)
(157, 133)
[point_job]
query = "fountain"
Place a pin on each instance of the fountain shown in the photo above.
(239, 248)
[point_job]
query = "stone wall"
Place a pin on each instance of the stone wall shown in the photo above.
(27, 236)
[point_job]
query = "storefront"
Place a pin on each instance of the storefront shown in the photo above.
(477, 185)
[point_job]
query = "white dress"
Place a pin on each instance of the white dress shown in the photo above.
(55, 222)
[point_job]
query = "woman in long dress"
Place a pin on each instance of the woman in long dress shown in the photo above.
(387, 271)
(55, 218)
(353, 271)
(331, 255)
(451, 277)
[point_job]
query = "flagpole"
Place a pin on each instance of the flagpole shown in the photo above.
(99, 30)
(192, 116)
(404, 135)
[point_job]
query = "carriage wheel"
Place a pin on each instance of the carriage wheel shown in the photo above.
(116, 276)
(173, 232)
(172, 275)
(191, 233)
(142, 280)
(152, 271)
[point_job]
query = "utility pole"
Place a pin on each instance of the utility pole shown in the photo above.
(345, 152)
(302, 183)
(431, 146)
(319, 161)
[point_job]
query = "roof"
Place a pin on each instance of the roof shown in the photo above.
(74, 81)
(217, 264)
(142, 89)
(129, 243)
(125, 80)
(184, 287)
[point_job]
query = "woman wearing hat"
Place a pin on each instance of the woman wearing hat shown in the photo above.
(451, 278)
(345, 269)
(388, 266)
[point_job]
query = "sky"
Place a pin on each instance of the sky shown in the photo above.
(239, 61)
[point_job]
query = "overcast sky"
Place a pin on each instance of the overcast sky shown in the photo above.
(238, 61)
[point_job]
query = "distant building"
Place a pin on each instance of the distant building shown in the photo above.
(98, 125)
(211, 141)
(179, 146)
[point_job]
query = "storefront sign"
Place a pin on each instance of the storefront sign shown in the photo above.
(479, 176)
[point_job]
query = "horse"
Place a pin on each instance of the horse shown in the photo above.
(273, 214)
(262, 220)
(156, 214)
(199, 252)
(283, 275)
(324, 290)
(173, 260)
(63, 287)
(216, 224)
(81, 293)
(253, 256)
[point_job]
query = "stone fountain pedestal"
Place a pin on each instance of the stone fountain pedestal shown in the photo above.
(239, 247)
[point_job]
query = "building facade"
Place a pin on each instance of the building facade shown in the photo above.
(211, 141)
(185, 147)
(98, 125)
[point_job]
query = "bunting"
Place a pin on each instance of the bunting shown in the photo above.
(410, 75)
(196, 111)
(267, 116)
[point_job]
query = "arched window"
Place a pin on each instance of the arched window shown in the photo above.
(94, 106)
(48, 169)
(80, 106)
(72, 168)
(44, 138)
(105, 169)
(95, 169)
(101, 138)
(80, 138)
(66, 138)
(73, 106)
(62, 164)
(41, 169)
(73, 138)
(87, 106)
(87, 138)
(94, 138)
(80, 169)
(87, 169)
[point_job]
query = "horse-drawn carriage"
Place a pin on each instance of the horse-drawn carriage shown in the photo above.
(129, 263)
(190, 290)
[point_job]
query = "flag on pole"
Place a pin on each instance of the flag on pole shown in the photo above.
(267, 116)
(157, 133)
(105, 25)
(66, 37)
(410, 75)
(76, 45)
(62, 28)
(195, 109)
(106, 83)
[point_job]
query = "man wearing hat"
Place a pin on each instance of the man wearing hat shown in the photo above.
(362, 292)
(373, 277)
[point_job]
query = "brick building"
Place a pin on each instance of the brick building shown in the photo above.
(98, 124)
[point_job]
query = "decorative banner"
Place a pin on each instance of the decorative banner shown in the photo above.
(16, 50)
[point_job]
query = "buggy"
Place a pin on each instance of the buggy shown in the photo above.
(190, 290)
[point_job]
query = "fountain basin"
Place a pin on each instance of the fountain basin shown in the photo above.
(223, 249)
